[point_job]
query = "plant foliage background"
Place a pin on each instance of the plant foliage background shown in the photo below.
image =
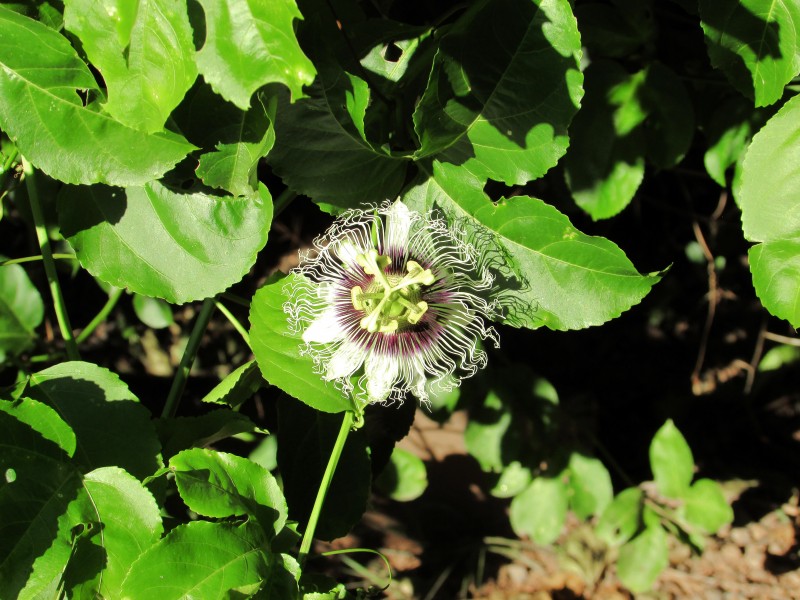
(633, 172)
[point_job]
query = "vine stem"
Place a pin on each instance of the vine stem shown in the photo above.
(113, 298)
(49, 265)
(26, 259)
(234, 321)
(325, 484)
(179, 383)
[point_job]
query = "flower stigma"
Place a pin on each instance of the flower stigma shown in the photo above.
(393, 298)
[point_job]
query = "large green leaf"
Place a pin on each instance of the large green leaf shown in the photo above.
(161, 243)
(143, 49)
(217, 484)
(278, 351)
(320, 146)
(249, 44)
(769, 197)
(111, 427)
(756, 43)
(565, 279)
(40, 109)
(180, 433)
(21, 311)
(111, 522)
(504, 86)
(202, 560)
(671, 461)
(541, 510)
(36, 485)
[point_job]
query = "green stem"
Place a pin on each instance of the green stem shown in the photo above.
(26, 259)
(49, 266)
(325, 484)
(179, 383)
(9, 160)
(282, 201)
(234, 321)
(101, 316)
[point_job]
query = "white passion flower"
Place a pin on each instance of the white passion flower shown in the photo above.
(394, 292)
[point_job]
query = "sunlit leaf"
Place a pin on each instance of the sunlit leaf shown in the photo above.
(642, 559)
(404, 478)
(217, 484)
(237, 387)
(621, 518)
(706, 506)
(277, 351)
(769, 197)
(671, 461)
(504, 86)
(755, 43)
(541, 510)
(564, 278)
(42, 112)
(589, 485)
(249, 44)
(204, 560)
(43, 419)
(144, 51)
(165, 244)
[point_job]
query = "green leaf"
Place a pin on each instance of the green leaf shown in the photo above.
(728, 132)
(217, 484)
(565, 279)
(642, 559)
(769, 197)
(144, 51)
(237, 387)
(305, 440)
(513, 479)
(200, 560)
(111, 522)
(320, 150)
(21, 311)
(232, 166)
(605, 162)
(277, 351)
(41, 111)
(44, 420)
(249, 44)
(671, 461)
(755, 43)
(589, 486)
(607, 31)
(111, 427)
(488, 433)
(179, 433)
(504, 86)
(153, 312)
(36, 485)
(404, 478)
(779, 357)
(621, 518)
(541, 510)
(706, 506)
(164, 244)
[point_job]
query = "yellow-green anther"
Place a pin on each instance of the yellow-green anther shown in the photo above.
(357, 297)
(415, 314)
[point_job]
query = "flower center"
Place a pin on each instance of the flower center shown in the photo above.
(392, 301)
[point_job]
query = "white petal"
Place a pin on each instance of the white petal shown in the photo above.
(381, 372)
(398, 225)
(324, 329)
(345, 361)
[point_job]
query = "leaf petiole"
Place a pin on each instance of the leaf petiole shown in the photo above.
(49, 266)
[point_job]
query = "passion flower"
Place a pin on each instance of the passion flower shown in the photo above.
(396, 293)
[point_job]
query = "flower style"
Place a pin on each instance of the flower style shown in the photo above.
(395, 292)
